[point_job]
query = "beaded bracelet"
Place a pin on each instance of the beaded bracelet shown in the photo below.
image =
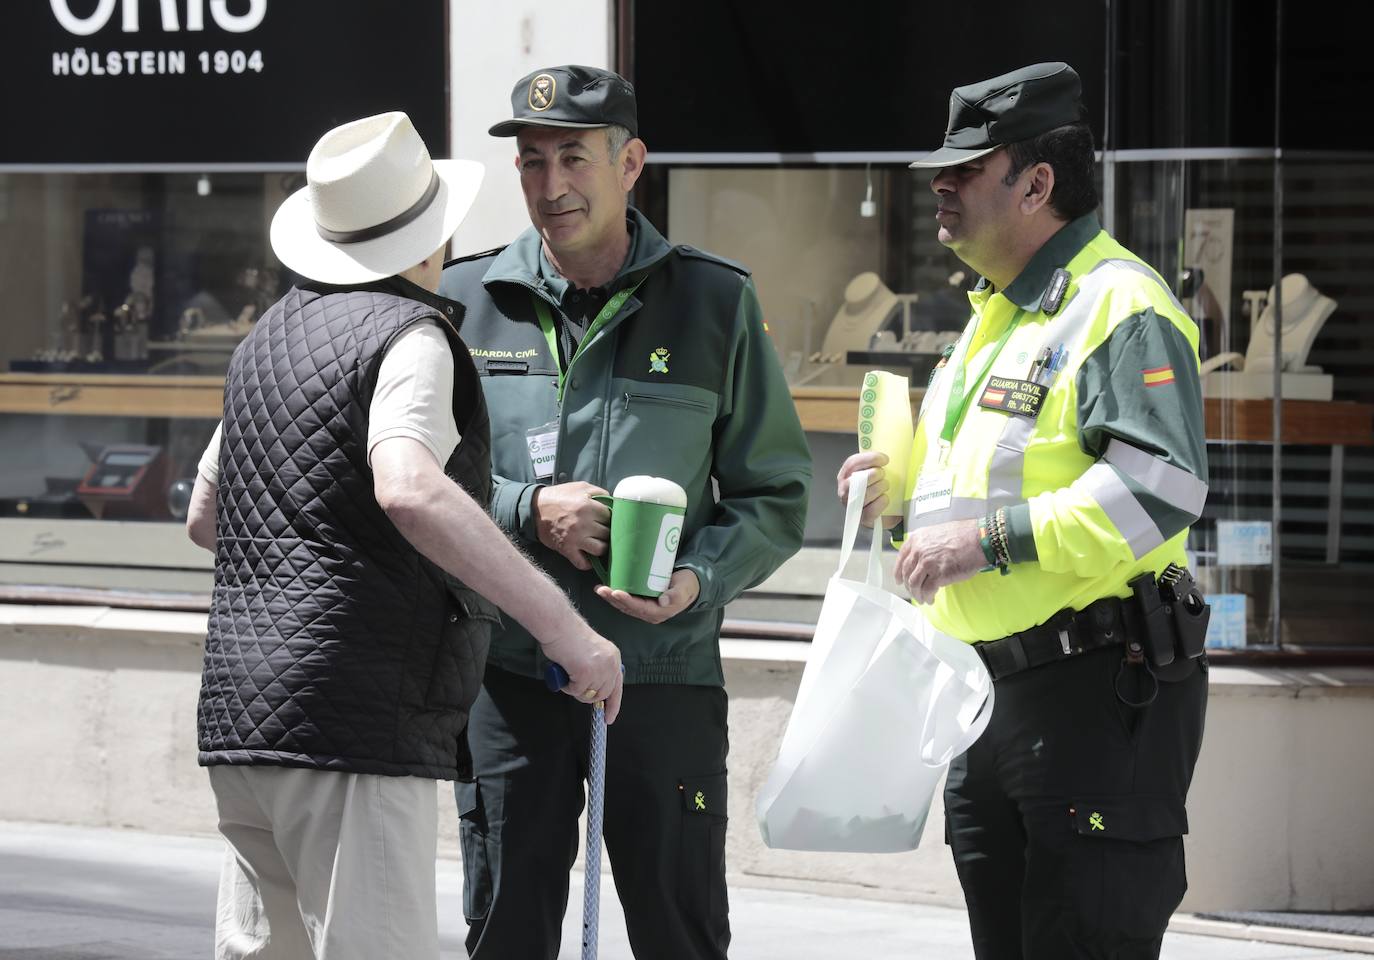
(997, 546)
(985, 541)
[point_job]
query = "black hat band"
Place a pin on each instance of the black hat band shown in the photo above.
(390, 226)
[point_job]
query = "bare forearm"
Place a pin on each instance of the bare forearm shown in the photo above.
(447, 526)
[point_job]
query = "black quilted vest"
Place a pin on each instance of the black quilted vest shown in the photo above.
(332, 643)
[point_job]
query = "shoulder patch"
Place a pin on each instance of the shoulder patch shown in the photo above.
(699, 254)
(475, 256)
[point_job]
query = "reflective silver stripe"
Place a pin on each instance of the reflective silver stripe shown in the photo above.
(960, 508)
(1172, 484)
(1007, 468)
(1008, 464)
(1145, 270)
(1104, 485)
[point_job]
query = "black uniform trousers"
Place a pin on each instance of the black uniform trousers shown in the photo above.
(664, 826)
(1066, 818)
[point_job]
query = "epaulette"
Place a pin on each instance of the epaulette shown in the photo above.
(700, 254)
(475, 256)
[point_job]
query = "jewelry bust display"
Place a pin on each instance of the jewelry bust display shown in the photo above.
(1305, 311)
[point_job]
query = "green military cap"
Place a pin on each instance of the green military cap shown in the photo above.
(580, 98)
(1015, 106)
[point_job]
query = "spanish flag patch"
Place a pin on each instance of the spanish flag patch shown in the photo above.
(1158, 376)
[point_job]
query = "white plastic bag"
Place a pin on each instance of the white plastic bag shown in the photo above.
(885, 702)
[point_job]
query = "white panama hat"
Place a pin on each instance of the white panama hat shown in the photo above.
(374, 203)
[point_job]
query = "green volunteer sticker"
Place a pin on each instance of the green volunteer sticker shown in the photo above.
(871, 380)
(870, 396)
(865, 427)
(865, 443)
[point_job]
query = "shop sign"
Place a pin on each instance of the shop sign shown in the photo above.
(1226, 628)
(1245, 543)
(212, 82)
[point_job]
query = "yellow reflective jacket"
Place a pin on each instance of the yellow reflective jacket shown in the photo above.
(1097, 453)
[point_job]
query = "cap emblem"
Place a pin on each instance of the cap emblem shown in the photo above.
(542, 90)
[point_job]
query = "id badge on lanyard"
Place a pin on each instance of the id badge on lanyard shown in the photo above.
(542, 443)
(934, 489)
(935, 483)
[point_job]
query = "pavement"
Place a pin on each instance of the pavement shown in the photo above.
(77, 893)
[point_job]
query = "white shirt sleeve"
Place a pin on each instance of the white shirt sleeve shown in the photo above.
(413, 398)
(209, 460)
(414, 393)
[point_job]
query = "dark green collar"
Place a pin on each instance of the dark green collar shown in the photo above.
(558, 285)
(1029, 286)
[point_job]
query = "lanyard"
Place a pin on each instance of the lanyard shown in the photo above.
(611, 308)
(957, 404)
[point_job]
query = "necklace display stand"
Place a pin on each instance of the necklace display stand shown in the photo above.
(1305, 310)
(868, 304)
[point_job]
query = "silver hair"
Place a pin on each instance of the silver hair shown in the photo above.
(616, 138)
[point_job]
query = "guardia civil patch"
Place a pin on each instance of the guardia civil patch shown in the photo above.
(542, 91)
(658, 360)
(1021, 397)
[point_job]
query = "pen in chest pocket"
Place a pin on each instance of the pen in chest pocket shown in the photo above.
(1051, 362)
(1061, 356)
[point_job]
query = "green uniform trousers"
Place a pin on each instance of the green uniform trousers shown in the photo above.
(664, 826)
(1066, 818)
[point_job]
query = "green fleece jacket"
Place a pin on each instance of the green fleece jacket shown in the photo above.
(682, 383)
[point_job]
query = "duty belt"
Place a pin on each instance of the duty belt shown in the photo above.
(1102, 623)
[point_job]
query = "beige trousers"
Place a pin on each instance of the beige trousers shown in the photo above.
(321, 865)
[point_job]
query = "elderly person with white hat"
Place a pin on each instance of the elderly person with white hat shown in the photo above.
(344, 496)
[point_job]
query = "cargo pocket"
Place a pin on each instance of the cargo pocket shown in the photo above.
(472, 835)
(685, 413)
(1126, 863)
(701, 893)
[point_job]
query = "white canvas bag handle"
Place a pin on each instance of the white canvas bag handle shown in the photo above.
(858, 486)
(853, 512)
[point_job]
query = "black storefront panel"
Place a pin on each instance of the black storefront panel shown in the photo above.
(747, 76)
(212, 82)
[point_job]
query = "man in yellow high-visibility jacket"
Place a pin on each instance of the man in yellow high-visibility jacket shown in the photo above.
(1058, 463)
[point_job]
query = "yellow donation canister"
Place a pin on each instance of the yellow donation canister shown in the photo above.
(885, 426)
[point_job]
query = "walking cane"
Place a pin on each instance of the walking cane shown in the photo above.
(556, 678)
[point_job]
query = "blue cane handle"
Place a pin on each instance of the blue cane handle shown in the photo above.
(555, 677)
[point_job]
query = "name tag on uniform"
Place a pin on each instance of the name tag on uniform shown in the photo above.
(542, 443)
(934, 491)
(1021, 397)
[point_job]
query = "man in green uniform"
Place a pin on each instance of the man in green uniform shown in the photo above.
(1058, 462)
(605, 352)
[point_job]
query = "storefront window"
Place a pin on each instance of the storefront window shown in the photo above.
(148, 154)
(125, 295)
(1227, 164)
(849, 287)
(1212, 223)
